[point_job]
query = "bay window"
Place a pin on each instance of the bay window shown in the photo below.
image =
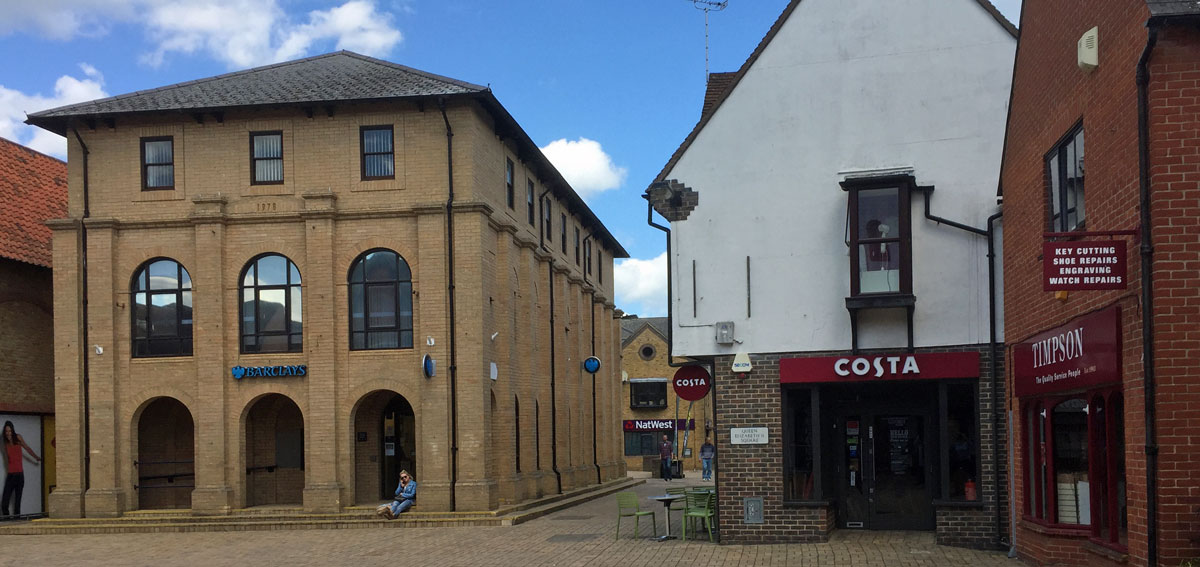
(879, 237)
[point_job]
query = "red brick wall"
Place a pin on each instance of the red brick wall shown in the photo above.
(26, 338)
(1050, 96)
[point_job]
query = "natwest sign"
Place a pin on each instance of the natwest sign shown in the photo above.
(870, 367)
(1081, 354)
(659, 424)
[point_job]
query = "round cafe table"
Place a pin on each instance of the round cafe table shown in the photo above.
(666, 500)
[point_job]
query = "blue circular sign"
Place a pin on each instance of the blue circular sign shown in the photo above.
(429, 366)
(591, 364)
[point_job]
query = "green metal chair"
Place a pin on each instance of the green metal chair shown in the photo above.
(627, 505)
(700, 505)
(678, 504)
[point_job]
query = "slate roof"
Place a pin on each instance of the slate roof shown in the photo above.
(630, 327)
(33, 189)
(338, 77)
(332, 77)
(1160, 8)
(729, 85)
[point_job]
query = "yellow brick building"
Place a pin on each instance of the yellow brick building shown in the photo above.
(282, 285)
(649, 406)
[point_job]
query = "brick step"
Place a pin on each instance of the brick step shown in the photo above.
(289, 517)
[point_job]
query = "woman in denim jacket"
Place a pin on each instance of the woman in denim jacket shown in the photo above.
(406, 496)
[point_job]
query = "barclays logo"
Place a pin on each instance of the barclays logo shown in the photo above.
(240, 372)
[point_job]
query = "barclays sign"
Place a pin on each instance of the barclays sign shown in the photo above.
(240, 372)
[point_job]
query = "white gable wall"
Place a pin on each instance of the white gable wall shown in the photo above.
(844, 86)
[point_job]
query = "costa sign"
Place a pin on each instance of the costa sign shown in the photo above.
(1082, 354)
(691, 383)
(864, 368)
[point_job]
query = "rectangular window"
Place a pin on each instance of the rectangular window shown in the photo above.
(645, 443)
(1064, 168)
(529, 200)
(562, 235)
(158, 163)
(960, 436)
(547, 221)
(587, 256)
(879, 236)
(799, 440)
(647, 393)
(508, 183)
(378, 152)
(266, 158)
(1075, 464)
(600, 266)
(576, 246)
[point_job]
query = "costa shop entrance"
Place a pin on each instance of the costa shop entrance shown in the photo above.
(887, 439)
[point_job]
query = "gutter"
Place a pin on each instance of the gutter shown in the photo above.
(83, 246)
(450, 293)
(993, 361)
(553, 357)
(1147, 252)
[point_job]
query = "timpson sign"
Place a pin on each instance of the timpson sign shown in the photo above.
(1084, 353)
(877, 367)
(1083, 265)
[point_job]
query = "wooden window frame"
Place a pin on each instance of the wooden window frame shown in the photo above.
(254, 160)
(362, 152)
(904, 186)
(145, 166)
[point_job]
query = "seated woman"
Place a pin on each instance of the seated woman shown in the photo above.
(406, 496)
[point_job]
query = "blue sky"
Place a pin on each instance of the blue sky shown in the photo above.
(608, 89)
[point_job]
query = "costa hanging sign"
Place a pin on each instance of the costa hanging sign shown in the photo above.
(1082, 354)
(866, 368)
(691, 383)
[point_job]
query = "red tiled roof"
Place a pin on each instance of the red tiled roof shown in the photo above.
(33, 189)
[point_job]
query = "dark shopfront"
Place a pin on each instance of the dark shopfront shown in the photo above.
(886, 441)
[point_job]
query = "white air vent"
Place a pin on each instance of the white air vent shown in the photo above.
(1088, 53)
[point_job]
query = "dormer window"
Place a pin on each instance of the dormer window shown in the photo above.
(879, 236)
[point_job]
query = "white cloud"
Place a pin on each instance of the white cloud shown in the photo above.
(641, 285)
(15, 104)
(585, 165)
(240, 33)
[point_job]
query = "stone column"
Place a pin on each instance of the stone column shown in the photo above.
(213, 494)
(105, 495)
(67, 499)
(433, 408)
(322, 491)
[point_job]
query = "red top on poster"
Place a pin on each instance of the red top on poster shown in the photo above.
(871, 367)
(1082, 354)
(1083, 265)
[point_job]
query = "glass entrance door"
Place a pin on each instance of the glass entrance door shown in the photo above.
(885, 472)
(900, 485)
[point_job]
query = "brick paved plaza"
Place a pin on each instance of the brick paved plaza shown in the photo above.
(582, 535)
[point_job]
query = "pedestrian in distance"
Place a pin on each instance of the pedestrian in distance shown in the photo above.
(14, 482)
(406, 496)
(707, 452)
(664, 454)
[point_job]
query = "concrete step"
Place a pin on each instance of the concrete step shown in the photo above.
(291, 517)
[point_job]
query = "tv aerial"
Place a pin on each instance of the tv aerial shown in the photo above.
(708, 6)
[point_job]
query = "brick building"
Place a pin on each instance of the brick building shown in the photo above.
(1104, 377)
(650, 408)
(33, 189)
(850, 336)
(282, 285)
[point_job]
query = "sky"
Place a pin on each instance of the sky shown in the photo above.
(607, 89)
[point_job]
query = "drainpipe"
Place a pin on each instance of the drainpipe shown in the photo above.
(83, 243)
(553, 397)
(450, 290)
(1147, 251)
(993, 352)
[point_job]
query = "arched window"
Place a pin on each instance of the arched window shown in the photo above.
(380, 301)
(162, 309)
(271, 306)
